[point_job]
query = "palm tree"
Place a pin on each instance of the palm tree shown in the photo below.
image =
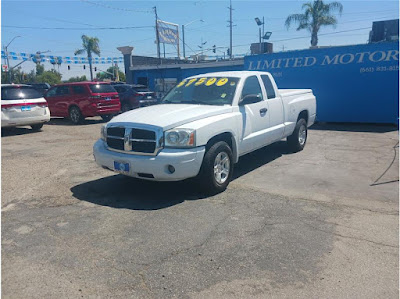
(90, 45)
(316, 14)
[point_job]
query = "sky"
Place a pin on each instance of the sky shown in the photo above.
(94, 17)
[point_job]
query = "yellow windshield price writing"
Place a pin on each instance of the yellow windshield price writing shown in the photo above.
(181, 83)
(190, 82)
(211, 81)
(201, 81)
(222, 81)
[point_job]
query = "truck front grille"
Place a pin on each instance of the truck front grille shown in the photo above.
(135, 140)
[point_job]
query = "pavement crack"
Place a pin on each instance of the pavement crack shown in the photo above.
(351, 237)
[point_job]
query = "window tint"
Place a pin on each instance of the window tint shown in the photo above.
(119, 89)
(101, 88)
(268, 87)
(51, 92)
(12, 93)
(252, 86)
(78, 89)
(62, 90)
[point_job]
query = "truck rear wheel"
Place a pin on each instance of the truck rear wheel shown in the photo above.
(298, 139)
(217, 168)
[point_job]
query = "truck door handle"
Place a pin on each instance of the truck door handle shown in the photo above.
(263, 111)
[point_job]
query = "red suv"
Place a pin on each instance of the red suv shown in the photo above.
(83, 99)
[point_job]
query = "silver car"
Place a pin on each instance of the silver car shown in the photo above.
(22, 105)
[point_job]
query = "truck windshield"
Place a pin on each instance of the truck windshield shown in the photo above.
(203, 90)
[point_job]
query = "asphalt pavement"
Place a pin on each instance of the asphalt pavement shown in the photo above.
(322, 223)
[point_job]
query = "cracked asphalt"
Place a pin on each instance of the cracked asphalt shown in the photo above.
(322, 223)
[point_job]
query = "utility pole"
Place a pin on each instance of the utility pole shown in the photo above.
(157, 37)
(230, 27)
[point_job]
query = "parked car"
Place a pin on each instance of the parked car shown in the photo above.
(22, 105)
(133, 98)
(83, 99)
(117, 82)
(40, 87)
(202, 127)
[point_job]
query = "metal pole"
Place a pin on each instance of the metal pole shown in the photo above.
(259, 34)
(263, 27)
(9, 75)
(177, 43)
(183, 41)
(230, 23)
(157, 37)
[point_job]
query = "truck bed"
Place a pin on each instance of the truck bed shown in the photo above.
(291, 92)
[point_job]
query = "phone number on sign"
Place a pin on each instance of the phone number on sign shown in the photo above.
(379, 69)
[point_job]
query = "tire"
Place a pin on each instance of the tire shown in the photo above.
(298, 139)
(126, 107)
(75, 115)
(106, 117)
(217, 168)
(37, 127)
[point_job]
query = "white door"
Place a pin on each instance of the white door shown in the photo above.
(275, 111)
(255, 115)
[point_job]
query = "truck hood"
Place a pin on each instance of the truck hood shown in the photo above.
(168, 116)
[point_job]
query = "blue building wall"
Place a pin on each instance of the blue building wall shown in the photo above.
(352, 83)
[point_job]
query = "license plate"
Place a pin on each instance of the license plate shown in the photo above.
(149, 97)
(121, 167)
(26, 108)
(108, 99)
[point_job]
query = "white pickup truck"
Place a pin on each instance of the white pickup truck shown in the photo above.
(202, 127)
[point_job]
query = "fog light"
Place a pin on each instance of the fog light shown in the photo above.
(171, 169)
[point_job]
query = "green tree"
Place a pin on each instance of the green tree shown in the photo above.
(316, 14)
(90, 46)
(52, 77)
(77, 79)
(39, 69)
(110, 74)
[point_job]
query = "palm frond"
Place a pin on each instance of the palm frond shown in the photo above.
(295, 18)
(79, 51)
(336, 6)
(328, 21)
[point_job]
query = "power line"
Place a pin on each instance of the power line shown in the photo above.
(331, 33)
(115, 8)
(74, 28)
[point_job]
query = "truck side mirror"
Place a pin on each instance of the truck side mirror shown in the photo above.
(250, 99)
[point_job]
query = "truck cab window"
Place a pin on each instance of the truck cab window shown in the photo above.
(268, 87)
(252, 87)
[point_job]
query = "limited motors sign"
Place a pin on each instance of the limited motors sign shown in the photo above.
(273, 63)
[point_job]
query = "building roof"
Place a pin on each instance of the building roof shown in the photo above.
(189, 65)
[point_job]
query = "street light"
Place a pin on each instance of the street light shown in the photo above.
(183, 35)
(7, 60)
(259, 23)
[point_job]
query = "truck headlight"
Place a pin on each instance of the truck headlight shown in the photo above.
(180, 138)
(103, 132)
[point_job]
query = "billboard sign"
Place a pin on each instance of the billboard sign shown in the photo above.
(168, 32)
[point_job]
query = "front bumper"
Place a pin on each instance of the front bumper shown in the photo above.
(187, 162)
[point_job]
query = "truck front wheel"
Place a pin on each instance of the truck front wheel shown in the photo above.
(298, 139)
(217, 168)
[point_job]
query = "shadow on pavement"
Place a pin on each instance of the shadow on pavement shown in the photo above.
(354, 127)
(6, 132)
(123, 192)
(67, 122)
